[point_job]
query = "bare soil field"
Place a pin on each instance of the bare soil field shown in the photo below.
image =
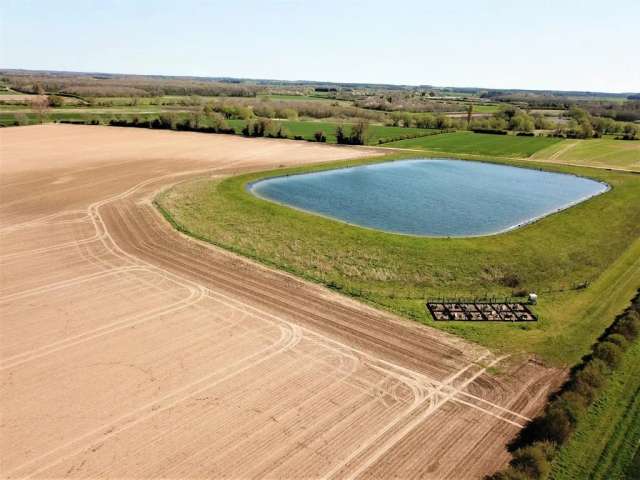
(130, 350)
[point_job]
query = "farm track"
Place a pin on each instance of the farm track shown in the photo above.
(161, 356)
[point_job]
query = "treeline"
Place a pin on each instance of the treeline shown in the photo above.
(626, 110)
(285, 109)
(534, 448)
(192, 123)
(408, 102)
(423, 120)
(356, 134)
(582, 124)
(127, 86)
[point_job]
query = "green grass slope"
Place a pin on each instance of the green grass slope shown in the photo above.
(479, 144)
(599, 152)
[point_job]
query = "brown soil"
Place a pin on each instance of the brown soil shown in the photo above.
(129, 350)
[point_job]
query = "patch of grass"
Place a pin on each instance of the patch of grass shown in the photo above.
(600, 152)
(596, 241)
(608, 436)
(479, 144)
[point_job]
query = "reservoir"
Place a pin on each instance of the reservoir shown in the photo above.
(430, 197)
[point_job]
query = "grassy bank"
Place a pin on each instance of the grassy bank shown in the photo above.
(608, 436)
(597, 241)
(479, 144)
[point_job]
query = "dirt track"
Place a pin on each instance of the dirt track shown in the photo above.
(129, 350)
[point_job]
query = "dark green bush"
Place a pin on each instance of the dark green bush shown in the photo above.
(628, 325)
(534, 461)
(508, 474)
(618, 339)
(574, 404)
(608, 352)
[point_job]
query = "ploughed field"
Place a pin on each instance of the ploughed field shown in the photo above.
(130, 350)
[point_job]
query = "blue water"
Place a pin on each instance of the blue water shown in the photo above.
(431, 197)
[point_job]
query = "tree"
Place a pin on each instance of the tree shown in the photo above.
(443, 122)
(169, 120)
(320, 136)
(55, 101)
(40, 106)
(341, 137)
(628, 326)
(290, 114)
(631, 131)
(521, 122)
(469, 113)
(21, 119)
(359, 133)
(217, 122)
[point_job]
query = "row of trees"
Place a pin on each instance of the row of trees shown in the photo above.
(128, 86)
(535, 446)
(423, 120)
(193, 122)
(408, 102)
(581, 124)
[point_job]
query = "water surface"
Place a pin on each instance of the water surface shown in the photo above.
(431, 197)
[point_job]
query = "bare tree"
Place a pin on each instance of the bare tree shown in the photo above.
(40, 106)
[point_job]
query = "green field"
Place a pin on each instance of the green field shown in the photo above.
(479, 144)
(608, 436)
(482, 108)
(296, 98)
(599, 152)
(597, 241)
(307, 129)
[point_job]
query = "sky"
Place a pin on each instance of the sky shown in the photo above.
(585, 45)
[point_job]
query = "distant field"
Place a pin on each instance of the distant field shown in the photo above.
(301, 98)
(608, 436)
(480, 108)
(307, 129)
(600, 152)
(596, 241)
(479, 144)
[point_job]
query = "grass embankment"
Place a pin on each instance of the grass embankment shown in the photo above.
(608, 436)
(479, 144)
(599, 152)
(597, 241)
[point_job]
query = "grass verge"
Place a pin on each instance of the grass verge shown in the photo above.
(608, 436)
